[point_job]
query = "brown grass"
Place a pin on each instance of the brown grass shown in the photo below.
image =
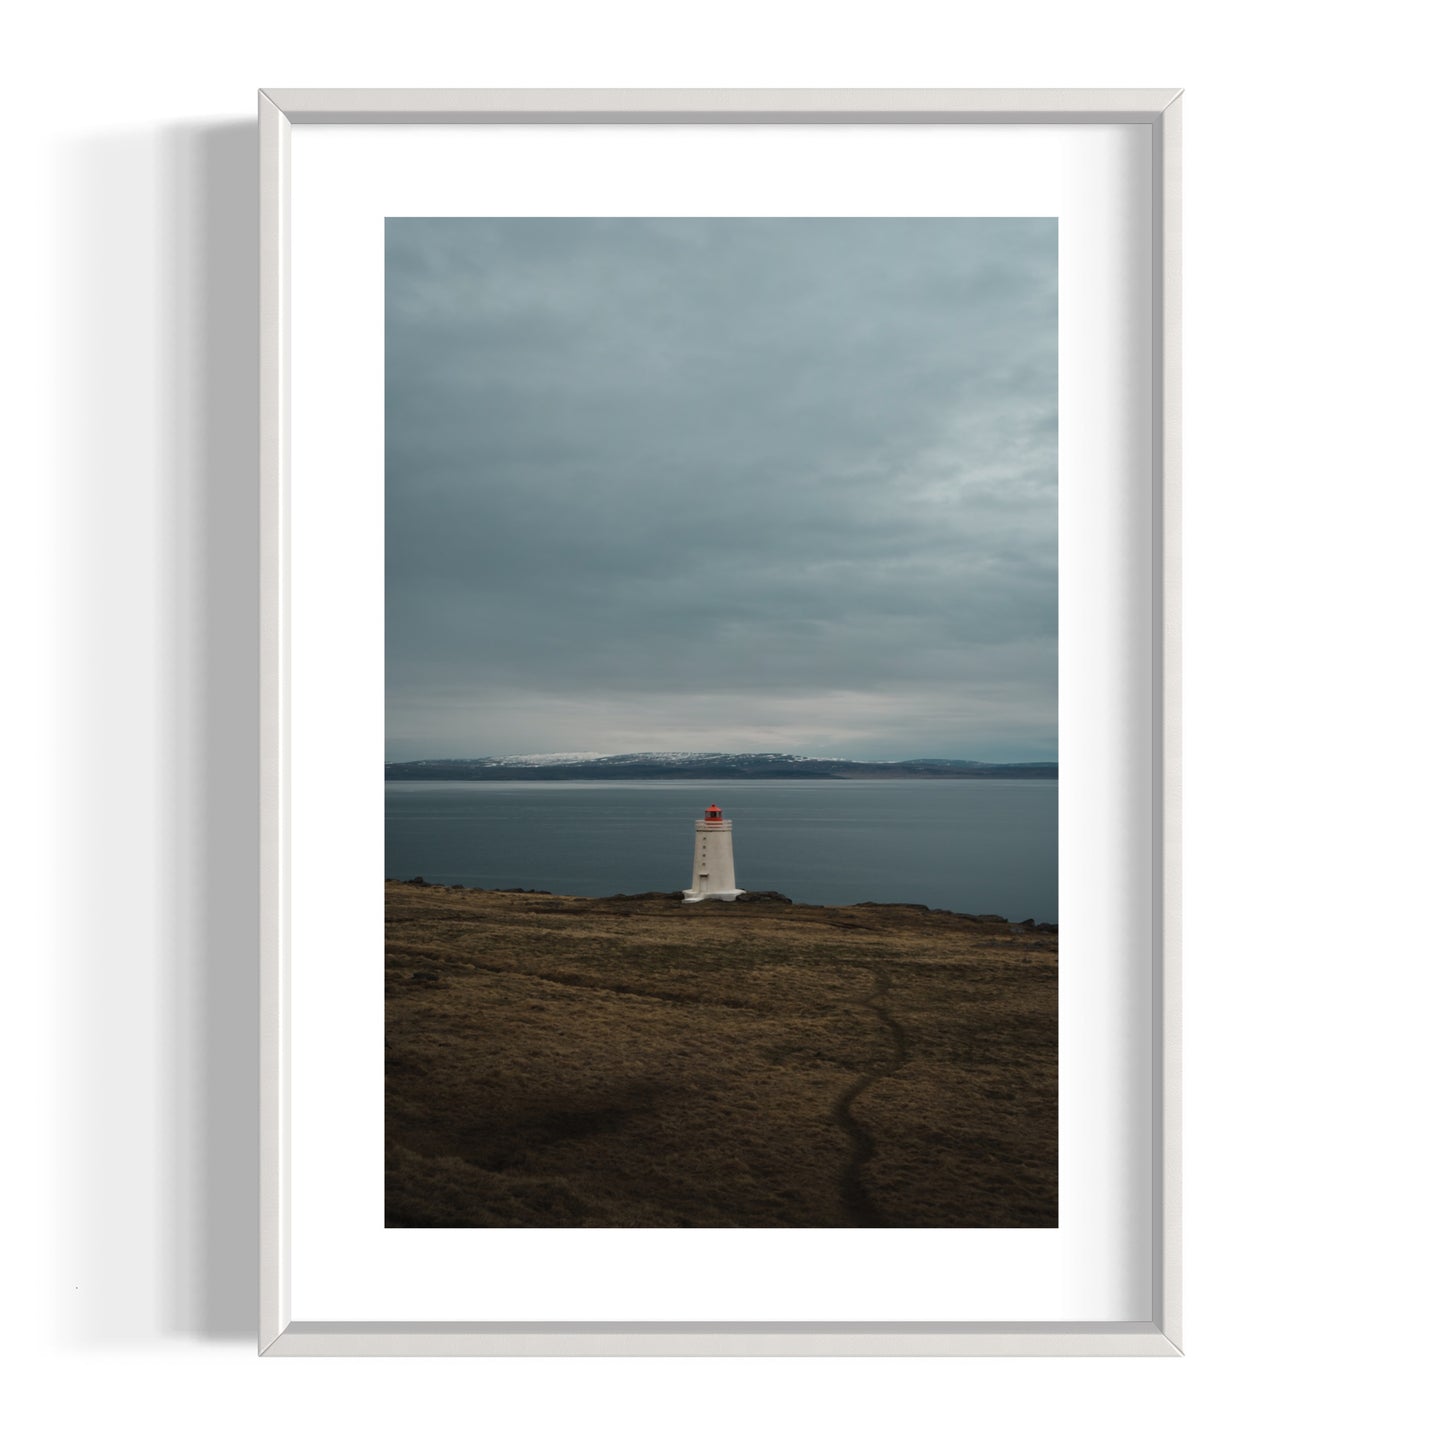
(571, 1062)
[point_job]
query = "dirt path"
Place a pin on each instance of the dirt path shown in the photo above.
(859, 1206)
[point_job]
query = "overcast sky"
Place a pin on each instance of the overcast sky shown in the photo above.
(722, 485)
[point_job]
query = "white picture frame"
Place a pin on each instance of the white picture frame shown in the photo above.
(1157, 900)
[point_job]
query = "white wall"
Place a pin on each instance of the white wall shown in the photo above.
(1313, 325)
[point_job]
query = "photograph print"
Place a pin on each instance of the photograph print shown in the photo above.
(721, 762)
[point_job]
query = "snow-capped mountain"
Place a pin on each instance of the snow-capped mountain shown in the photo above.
(643, 766)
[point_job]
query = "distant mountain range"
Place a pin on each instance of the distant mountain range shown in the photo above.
(702, 766)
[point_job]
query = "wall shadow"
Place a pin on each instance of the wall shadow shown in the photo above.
(214, 219)
(156, 1063)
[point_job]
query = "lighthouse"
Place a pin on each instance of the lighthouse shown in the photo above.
(712, 860)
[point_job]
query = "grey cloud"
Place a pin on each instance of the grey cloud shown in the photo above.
(656, 478)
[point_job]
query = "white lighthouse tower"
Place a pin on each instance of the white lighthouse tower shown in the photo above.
(712, 860)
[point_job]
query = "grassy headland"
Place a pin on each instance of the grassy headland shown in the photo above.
(634, 1062)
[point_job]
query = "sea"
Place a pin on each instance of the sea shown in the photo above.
(966, 845)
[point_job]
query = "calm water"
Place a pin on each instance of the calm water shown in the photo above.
(970, 846)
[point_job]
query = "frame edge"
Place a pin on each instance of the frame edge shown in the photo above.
(1169, 1262)
(923, 106)
(274, 148)
(691, 1340)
